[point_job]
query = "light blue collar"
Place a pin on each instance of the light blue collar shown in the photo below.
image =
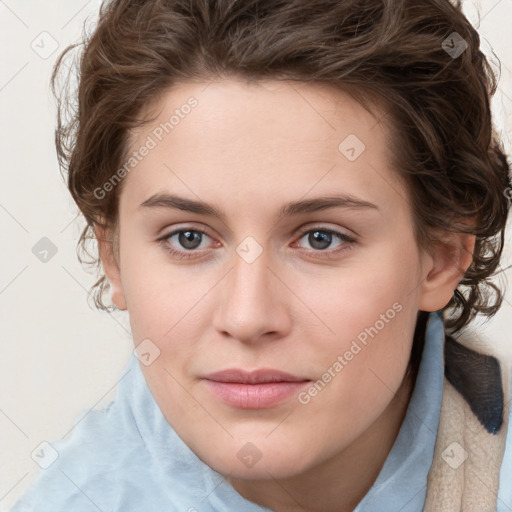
(404, 474)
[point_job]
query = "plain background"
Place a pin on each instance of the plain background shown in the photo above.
(58, 356)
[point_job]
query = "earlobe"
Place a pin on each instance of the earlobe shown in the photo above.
(109, 260)
(449, 261)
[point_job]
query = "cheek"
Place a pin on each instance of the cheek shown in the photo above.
(355, 297)
(166, 308)
(369, 314)
(158, 294)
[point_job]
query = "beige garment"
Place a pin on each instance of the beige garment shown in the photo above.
(464, 475)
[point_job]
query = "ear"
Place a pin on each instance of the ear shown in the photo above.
(108, 247)
(450, 258)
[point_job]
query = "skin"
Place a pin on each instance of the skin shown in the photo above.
(249, 149)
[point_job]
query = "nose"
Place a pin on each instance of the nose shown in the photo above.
(253, 302)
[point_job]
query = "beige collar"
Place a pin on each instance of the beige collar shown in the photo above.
(464, 475)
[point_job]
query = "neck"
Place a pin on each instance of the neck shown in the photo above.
(339, 483)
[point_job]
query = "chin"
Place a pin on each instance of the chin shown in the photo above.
(249, 463)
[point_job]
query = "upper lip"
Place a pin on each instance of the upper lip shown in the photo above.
(260, 376)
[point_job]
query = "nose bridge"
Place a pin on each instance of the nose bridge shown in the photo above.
(250, 306)
(250, 285)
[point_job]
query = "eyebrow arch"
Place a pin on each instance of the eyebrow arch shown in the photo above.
(290, 209)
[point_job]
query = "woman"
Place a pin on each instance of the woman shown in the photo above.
(300, 205)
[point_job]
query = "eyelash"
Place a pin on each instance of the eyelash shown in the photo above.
(318, 253)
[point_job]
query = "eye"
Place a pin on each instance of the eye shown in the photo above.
(183, 242)
(321, 238)
(186, 243)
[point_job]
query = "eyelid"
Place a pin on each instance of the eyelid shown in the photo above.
(324, 227)
(190, 226)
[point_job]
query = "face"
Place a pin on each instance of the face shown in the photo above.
(299, 257)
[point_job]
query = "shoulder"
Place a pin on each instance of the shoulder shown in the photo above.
(82, 471)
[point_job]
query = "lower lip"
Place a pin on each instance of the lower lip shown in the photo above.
(254, 396)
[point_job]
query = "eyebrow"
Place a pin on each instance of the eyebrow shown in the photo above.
(288, 210)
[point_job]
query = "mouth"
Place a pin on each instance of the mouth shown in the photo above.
(259, 389)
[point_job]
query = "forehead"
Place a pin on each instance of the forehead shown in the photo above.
(226, 108)
(263, 139)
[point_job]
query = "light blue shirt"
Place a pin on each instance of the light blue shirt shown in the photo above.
(127, 457)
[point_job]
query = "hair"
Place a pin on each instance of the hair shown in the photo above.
(391, 53)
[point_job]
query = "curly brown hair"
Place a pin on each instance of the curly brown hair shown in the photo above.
(395, 53)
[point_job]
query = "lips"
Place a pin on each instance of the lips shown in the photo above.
(259, 389)
(261, 376)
